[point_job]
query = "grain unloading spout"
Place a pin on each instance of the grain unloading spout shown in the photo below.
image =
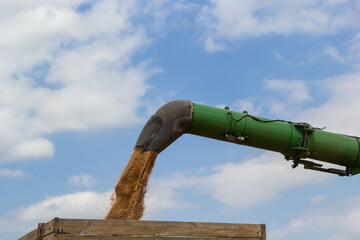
(296, 141)
(168, 123)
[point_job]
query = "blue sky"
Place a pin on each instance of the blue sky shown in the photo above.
(78, 80)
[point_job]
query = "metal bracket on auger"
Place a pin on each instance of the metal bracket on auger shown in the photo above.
(303, 150)
(317, 167)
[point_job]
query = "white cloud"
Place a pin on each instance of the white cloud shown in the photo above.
(292, 95)
(296, 91)
(320, 198)
(338, 221)
(350, 54)
(246, 105)
(353, 50)
(315, 222)
(12, 173)
(226, 21)
(88, 204)
(67, 70)
(281, 58)
(241, 105)
(162, 195)
(250, 183)
(82, 180)
(36, 148)
(185, 6)
(339, 113)
(211, 46)
(334, 54)
(256, 181)
(76, 205)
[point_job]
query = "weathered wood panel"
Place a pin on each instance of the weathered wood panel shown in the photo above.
(79, 229)
(30, 236)
(159, 228)
(121, 237)
(51, 226)
(52, 236)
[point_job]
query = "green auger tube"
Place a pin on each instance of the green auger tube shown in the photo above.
(296, 141)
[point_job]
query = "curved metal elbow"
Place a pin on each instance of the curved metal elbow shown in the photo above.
(168, 123)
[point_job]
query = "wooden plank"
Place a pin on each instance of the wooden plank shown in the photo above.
(52, 236)
(159, 228)
(124, 237)
(30, 236)
(51, 227)
(140, 230)
(263, 231)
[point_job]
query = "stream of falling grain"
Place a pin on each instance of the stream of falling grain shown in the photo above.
(132, 185)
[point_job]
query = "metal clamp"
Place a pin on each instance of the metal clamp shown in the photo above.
(303, 151)
(232, 138)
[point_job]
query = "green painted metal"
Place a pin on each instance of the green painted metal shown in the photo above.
(296, 141)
